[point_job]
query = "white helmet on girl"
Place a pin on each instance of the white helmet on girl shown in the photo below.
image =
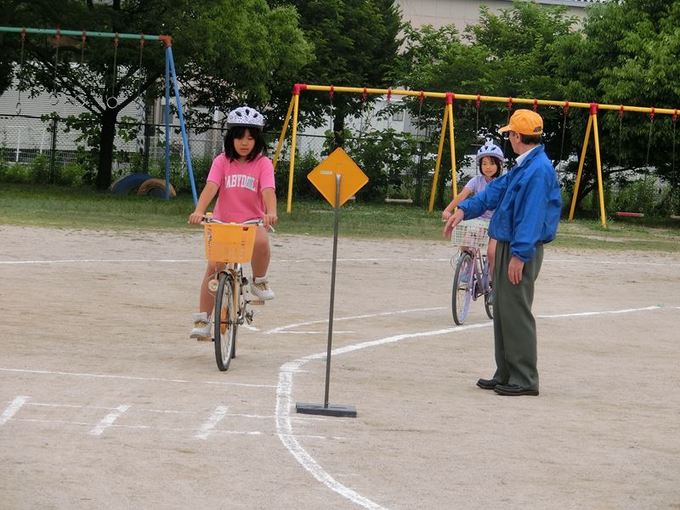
(490, 149)
(245, 116)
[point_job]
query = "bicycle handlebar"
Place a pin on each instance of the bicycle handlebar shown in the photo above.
(255, 221)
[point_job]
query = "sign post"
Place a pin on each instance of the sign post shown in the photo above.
(337, 178)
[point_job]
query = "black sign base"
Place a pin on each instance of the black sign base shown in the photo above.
(330, 410)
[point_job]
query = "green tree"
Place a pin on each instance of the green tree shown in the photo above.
(225, 53)
(355, 44)
(509, 54)
(627, 54)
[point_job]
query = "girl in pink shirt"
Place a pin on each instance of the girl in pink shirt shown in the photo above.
(243, 180)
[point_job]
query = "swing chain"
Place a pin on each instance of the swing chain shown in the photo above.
(83, 38)
(21, 70)
(55, 98)
(649, 139)
(621, 111)
(675, 119)
(565, 113)
(332, 111)
(421, 100)
(112, 101)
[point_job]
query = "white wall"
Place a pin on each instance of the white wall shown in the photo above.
(466, 12)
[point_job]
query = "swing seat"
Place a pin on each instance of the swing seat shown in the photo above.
(625, 214)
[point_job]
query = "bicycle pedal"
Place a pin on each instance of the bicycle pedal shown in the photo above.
(256, 302)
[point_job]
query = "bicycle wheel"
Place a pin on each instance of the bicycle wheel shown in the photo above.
(461, 294)
(225, 322)
(486, 286)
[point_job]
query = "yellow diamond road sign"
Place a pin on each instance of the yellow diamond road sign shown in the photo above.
(323, 176)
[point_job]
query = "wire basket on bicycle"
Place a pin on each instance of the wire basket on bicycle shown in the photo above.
(471, 233)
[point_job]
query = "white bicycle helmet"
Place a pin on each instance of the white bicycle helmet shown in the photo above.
(245, 116)
(490, 149)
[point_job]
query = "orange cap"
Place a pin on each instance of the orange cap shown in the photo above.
(524, 122)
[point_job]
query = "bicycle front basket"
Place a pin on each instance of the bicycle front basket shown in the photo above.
(471, 233)
(229, 242)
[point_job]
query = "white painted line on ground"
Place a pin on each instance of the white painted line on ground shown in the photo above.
(150, 427)
(212, 432)
(218, 414)
(12, 408)
(97, 261)
(284, 404)
(73, 406)
(284, 398)
(335, 332)
(133, 378)
(108, 420)
(354, 317)
(604, 312)
(616, 262)
(307, 261)
(61, 422)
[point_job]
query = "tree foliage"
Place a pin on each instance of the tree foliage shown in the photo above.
(225, 53)
(506, 54)
(355, 44)
(623, 53)
(627, 54)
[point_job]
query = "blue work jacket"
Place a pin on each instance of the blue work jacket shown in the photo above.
(527, 202)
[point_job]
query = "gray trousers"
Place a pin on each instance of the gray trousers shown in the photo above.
(514, 326)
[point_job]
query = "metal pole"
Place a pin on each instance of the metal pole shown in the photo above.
(577, 181)
(282, 137)
(182, 126)
(167, 123)
(336, 226)
(440, 150)
(293, 147)
(80, 33)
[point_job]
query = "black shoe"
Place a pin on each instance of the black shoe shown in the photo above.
(513, 390)
(488, 384)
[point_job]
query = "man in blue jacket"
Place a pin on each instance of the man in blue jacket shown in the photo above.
(527, 203)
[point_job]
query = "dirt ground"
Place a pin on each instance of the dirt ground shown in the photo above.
(106, 403)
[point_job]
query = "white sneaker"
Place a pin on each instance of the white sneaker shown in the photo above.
(202, 326)
(260, 288)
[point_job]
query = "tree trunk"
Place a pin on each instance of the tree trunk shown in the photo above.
(108, 133)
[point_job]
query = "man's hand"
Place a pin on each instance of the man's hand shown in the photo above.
(451, 223)
(515, 268)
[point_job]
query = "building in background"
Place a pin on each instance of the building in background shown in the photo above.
(462, 13)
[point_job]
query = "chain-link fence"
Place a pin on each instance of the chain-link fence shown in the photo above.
(137, 146)
(55, 150)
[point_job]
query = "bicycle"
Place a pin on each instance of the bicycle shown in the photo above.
(231, 246)
(471, 279)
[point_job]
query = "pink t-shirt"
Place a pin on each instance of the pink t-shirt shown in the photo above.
(240, 194)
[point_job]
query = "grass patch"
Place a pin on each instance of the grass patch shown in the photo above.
(53, 206)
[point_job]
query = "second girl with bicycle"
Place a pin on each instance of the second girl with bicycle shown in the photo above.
(490, 161)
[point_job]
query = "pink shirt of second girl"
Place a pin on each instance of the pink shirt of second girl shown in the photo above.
(240, 195)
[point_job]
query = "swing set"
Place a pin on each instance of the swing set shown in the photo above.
(111, 89)
(447, 126)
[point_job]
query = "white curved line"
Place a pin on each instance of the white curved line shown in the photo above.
(284, 400)
(284, 404)
(365, 316)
